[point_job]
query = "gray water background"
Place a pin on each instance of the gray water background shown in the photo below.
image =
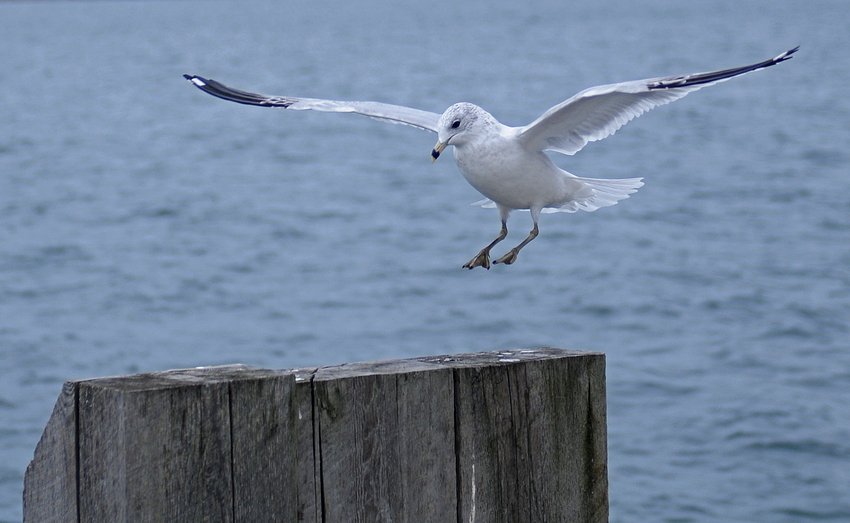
(146, 226)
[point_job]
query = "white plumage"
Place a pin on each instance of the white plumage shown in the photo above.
(508, 165)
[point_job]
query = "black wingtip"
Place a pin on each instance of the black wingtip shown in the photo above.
(786, 55)
(224, 92)
(717, 76)
(196, 80)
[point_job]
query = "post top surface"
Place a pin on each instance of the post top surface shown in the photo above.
(225, 373)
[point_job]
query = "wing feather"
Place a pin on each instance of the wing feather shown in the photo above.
(379, 111)
(599, 112)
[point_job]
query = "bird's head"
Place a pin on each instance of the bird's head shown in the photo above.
(455, 126)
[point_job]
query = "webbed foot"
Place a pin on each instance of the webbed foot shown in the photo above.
(508, 258)
(481, 260)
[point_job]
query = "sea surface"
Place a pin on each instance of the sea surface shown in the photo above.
(145, 225)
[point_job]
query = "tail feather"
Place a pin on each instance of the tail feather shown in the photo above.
(600, 193)
(592, 194)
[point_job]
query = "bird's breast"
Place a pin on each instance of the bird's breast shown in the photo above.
(505, 172)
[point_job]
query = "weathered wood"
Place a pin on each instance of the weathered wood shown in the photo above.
(532, 444)
(308, 480)
(265, 481)
(510, 436)
(50, 482)
(387, 442)
(139, 437)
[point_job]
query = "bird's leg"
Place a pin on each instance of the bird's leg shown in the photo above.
(510, 257)
(483, 257)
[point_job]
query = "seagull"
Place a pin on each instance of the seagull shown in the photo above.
(508, 165)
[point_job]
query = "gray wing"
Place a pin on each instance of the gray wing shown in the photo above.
(599, 112)
(380, 111)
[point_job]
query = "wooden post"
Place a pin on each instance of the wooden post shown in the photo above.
(509, 436)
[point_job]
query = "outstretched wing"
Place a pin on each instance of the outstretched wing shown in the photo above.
(599, 112)
(380, 111)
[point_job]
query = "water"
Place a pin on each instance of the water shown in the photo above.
(147, 226)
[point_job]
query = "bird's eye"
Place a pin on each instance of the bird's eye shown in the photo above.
(455, 124)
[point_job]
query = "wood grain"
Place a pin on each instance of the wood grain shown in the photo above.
(507, 436)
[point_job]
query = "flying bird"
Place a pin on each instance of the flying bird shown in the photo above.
(508, 165)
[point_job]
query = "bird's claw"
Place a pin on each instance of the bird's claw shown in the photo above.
(481, 260)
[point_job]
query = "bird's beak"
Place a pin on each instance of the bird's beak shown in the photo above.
(437, 150)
